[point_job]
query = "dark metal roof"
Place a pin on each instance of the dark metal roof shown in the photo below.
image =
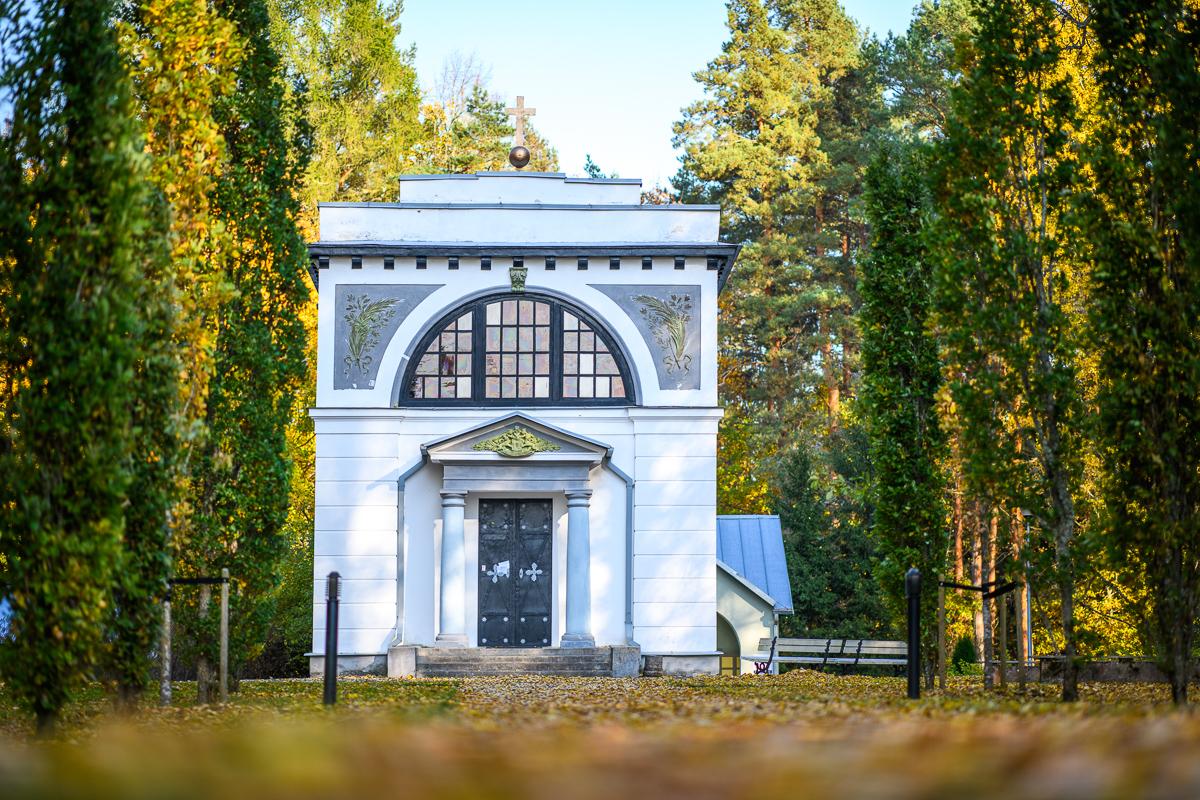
(752, 546)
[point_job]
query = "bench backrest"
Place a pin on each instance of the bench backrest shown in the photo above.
(862, 647)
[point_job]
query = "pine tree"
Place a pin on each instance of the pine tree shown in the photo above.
(901, 377)
(75, 248)
(363, 102)
(1144, 223)
(241, 477)
(1006, 285)
(774, 141)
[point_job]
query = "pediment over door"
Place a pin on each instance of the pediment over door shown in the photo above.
(516, 453)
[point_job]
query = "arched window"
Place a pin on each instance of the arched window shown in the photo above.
(517, 349)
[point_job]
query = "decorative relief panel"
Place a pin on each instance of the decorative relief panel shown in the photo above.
(368, 316)
(668, 317)
(516, 442)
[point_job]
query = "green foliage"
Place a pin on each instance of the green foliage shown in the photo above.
(76, 245)
(830, 556)
(901, 378)
(964, 658)
(1004, 282)
(775, 142)
(1144, 222)
(363, 101)
(240, 485)
(920, 67)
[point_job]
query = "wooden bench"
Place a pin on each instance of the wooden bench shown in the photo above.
(829, 652)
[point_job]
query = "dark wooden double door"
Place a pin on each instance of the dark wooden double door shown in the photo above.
(515, 555)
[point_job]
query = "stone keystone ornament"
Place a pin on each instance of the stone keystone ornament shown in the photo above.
(517, 274)
(516, 443)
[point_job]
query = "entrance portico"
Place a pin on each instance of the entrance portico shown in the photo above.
(514, 457)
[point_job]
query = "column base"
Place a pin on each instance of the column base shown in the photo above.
(450, 640)
(577, 640)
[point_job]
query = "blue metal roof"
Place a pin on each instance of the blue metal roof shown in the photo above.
(752, 546)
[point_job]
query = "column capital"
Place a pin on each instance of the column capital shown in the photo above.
(451, 499)
(579, 497)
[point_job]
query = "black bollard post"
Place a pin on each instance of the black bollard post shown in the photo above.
(912, 591)
(333, 591)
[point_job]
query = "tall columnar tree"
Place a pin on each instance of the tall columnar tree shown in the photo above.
(901, 377)
(1144, 224)
(74, 248)
(1007, 289)
(241, 477)
(145, 562)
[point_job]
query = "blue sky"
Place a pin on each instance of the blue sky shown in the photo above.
(607, 77)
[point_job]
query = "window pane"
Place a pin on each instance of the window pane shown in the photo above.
(519, 346)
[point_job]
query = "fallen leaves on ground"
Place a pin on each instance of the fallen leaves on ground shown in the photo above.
(800, 734)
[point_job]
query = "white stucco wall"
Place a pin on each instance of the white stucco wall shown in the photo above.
(751, 616)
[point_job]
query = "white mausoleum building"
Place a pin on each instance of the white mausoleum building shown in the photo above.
(516, 420)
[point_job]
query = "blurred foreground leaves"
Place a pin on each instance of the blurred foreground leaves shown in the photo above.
(801, 734)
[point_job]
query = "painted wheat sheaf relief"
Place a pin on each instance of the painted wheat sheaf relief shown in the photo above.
(365, 319)
(669, 319)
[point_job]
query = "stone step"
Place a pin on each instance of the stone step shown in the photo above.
(497, 672)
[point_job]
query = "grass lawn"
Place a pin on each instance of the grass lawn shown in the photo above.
(803, 734)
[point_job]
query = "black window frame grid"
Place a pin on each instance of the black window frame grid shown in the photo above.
(478, 311)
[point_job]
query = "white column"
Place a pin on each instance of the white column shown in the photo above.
(452, 630)
(579, 568)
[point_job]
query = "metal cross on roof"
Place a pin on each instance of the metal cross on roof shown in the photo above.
(520, 112)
